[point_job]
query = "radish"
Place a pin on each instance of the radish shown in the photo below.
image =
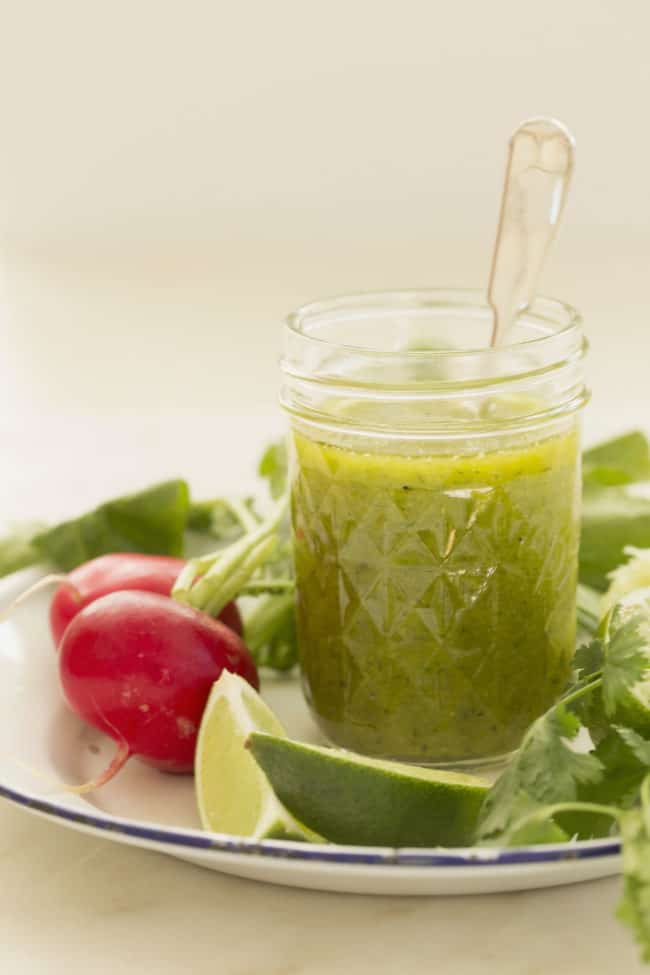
(117, 572)
(139, 667)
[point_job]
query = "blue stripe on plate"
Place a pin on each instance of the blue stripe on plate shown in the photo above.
(193, 839)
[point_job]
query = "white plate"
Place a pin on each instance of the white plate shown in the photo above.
(43, 743)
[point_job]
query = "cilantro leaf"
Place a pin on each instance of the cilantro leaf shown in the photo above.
(634, 909)
(545, 770)
(587, 664)
(625, 757)
(623, 657)
(640, 747)
(531, 823)
(627, 651)
(536, 830)
(591, 712)
(588, 660)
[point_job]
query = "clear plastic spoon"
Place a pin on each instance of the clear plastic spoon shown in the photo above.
(538, 173)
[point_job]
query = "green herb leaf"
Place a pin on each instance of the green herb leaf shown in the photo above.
(273, 467)
(623, 696)
(530, 823)
(534, 831)
(625, 757)
(634, 909)
(588, 660)
(591, 712)
(17, 550)
(151, 521)
(612, 519)
(545, 770)
(535, 823)
(627, 652)
(640, 747)
(622, 460)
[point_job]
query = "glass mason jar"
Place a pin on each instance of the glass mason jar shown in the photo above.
(435, 507)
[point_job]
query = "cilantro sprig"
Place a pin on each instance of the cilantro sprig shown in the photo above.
(552, 792)
(610, 673)
(634, 908)
(546, 770)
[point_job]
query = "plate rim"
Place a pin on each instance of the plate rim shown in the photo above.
(329, 853)
(177, 838)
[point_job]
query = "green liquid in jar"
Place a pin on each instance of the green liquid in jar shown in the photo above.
(436, 594)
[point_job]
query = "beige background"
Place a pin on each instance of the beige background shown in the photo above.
(312, 125)
(173, 178)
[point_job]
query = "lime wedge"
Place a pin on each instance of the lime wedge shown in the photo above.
(232, 794)
(368, 802)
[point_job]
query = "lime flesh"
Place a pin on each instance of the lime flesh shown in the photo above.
(233, 794)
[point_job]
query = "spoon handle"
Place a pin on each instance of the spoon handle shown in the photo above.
(538, 173)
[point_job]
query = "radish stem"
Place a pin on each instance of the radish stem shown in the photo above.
(211, 581)
(44, 583)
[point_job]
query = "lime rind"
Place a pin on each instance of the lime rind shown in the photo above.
(353, 800)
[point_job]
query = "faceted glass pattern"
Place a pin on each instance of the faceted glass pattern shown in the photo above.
(436, 594)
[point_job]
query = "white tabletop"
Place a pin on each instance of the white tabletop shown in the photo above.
(116, 375)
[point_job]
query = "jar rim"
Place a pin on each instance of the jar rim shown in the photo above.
(562, 318)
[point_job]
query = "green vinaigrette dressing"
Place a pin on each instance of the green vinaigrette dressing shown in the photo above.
(436, 593)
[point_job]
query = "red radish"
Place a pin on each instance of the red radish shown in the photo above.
(115, 573)
(139, 667)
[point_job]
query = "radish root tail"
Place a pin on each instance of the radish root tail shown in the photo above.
(44, 583)
(122, 755)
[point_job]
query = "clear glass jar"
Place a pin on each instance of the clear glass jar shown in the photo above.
(435, 510)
